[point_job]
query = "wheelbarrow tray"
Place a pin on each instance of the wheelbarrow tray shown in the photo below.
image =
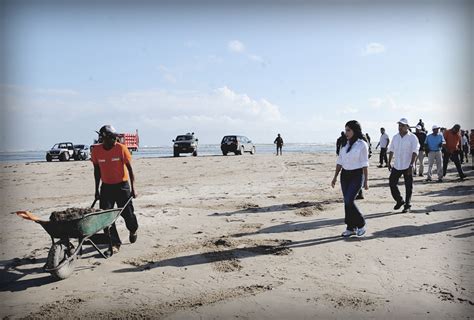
(86, 226)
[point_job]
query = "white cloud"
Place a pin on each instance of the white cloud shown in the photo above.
(167, 74)
(158, 114)
(236, 46)
(348, 110)
(374, 48)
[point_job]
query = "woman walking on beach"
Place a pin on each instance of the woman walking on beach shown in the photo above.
(353, 162)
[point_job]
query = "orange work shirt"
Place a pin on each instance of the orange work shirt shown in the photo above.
(112, 163)
(453, 140)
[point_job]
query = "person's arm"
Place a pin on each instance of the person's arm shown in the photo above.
(390, 156)
(97, 178)
(132, 180)
(378, 144)
(336, 173)
(410, 168)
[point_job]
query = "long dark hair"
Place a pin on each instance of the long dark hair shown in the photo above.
(354, 125)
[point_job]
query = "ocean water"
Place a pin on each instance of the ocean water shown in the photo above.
(167, 151)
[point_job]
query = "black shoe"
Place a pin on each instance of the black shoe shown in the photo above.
(379, 166)
(399, 205)
(132, 237)
(115, 249)
(406, 210)
(360, 196)
(420, 175)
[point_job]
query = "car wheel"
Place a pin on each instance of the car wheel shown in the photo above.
(224, 153)
(64, 156)
(49, 158)
(242, 150)
(175, 154)
(253, 150)
(195, 153)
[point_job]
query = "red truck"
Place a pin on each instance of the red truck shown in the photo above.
(131, 140)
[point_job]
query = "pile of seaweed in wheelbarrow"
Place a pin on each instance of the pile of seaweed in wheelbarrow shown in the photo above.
(83, 224)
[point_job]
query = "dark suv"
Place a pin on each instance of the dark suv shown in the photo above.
(185, 143)
(237, 145)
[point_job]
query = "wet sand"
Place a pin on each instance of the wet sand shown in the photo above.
(247, 237)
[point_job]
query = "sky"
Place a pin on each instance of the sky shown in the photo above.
(299, 68)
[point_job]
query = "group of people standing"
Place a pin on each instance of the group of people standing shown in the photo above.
(406, 149)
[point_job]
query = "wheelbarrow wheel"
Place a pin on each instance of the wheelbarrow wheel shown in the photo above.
(58, 254)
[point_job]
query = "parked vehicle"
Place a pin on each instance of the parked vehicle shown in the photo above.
(186, 143)
(62, 151)
(237, 144)
(82, 151)
(130, 140)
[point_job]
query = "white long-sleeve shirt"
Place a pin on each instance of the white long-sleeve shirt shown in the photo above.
(357, 158)
(403, 148)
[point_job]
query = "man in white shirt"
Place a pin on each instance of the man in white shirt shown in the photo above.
(383, 143)
(405, 147)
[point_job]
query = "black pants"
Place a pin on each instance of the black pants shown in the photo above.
(111, 194)
(351, 184)
(279, 148)
(383, 156)
(393, 182)
(455, 158)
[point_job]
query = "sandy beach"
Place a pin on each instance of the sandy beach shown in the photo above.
(243, 237)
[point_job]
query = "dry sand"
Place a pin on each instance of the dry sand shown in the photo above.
(247, 237)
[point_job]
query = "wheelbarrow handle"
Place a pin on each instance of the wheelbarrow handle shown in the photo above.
(126, 204)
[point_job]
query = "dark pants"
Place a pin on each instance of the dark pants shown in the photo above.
(279, 148)
(383, 156)
(393, 182)
(351, 183)
(455, 158)
(111, 194)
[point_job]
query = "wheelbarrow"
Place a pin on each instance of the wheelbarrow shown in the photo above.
(63, 253)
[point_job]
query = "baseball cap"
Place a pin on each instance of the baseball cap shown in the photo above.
(107, 131)
(434, 127)
(418, 127)
(403, 121)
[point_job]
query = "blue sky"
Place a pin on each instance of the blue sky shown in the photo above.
(299, 68)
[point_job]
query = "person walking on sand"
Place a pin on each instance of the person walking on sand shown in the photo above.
(471, 145)
(405, 147)
(279, 143)
(464, 146)
(340, 142)
(421, 135)
(433, 145)
(112, 167)
(353, 163)
(383, 143)
(453, 148)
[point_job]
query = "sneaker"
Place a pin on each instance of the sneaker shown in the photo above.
(348, 233)
(428, 179)
(115, 249)
(406, 210)
(379, 166)
(399, 205)
(440, 180)
(463, 177)
(414, 172)
(132, 237)
(360, 231)
(420, 175)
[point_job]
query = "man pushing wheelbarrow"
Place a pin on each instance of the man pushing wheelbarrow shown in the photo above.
(112, 167)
